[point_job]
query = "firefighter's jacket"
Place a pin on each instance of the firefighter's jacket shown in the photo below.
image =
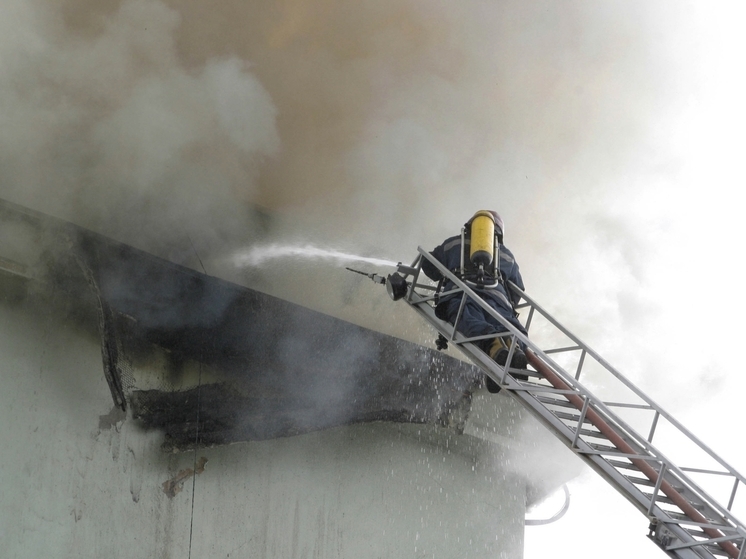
(449, 254)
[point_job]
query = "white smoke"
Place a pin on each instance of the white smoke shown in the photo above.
(369, 132)
(608, 135)
(114, 132)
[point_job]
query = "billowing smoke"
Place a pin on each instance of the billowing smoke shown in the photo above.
(371, 128)
(108, 128)
(374, 126)
(367, 129)
(166, 122)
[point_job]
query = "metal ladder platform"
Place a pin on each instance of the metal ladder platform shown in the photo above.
(685, 520)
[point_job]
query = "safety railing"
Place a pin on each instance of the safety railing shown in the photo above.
(686, 519)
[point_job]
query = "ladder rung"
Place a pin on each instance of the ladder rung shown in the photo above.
(711, 547)
(678, 516)
(716, 550)
(594, 434)
(620, 465)
(549, 385)
(663, 499)
(527, 372)
(523, 376)
(604, 448)
(684, 519)
(647, 483)
(555, 402)
(562, 349)
(570, 417)
(561, 415)
(697, 534)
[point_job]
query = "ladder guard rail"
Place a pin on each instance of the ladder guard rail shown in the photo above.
(647, 443)
(667, 468)
(639, 393)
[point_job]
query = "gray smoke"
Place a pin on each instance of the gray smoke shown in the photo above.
(108, 128)
(377, 127)
(369, 130)
(607, 134)
(158, 121)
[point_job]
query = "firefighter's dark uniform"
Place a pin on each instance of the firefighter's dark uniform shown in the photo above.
(475, 321)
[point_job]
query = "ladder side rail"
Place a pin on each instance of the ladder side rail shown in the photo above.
(576, 386)
(650, 448)
(481, 360)
(694, 489)
(676, 424)
(723, 534)
(685, 498)
(645, 447)
(567, 378)
(594, 459)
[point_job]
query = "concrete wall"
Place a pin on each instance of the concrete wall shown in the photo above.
(80, 480)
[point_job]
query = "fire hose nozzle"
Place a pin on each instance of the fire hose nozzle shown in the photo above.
(375, 277)
(396, 285)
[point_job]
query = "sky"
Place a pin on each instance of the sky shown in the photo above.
(607, 134)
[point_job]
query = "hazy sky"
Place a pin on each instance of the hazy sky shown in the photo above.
(609, 135)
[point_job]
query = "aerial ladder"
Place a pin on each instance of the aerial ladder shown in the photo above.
(685, 520)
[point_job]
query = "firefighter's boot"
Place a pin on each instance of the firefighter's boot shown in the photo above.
(499, 352)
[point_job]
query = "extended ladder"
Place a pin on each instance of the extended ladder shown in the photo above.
(685, 520)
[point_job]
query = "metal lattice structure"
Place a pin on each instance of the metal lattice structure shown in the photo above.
(686, 521)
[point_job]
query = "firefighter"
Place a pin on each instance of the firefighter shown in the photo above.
(479, 258)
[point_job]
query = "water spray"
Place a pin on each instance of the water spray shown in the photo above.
(258, 255)
(395, 283)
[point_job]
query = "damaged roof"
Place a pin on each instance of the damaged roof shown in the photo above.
(211, 362)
